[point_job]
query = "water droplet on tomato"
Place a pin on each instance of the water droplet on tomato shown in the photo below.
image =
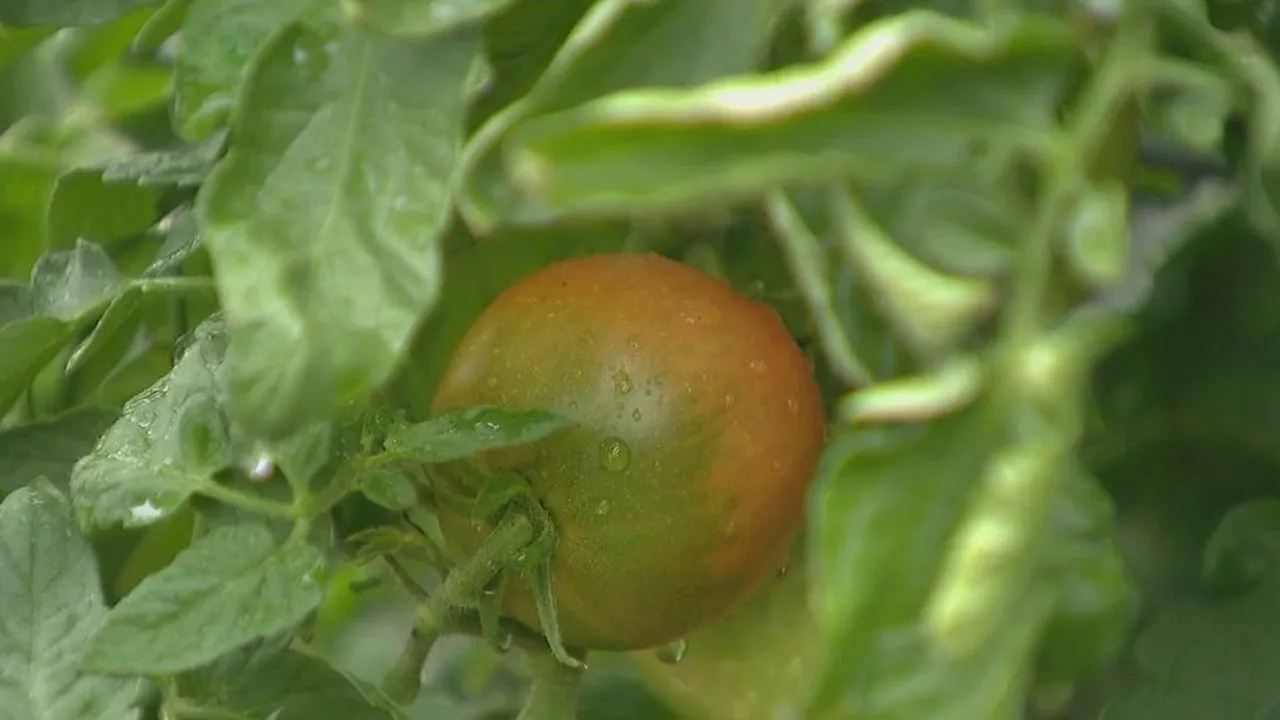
(615, 455)
(492, 382)
(793, 406)
(673, 653)
(730, 400)
(782, 570)
(622, 383)
(758, 367)
(635, 415)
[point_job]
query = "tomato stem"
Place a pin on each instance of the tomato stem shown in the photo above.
(556, 686)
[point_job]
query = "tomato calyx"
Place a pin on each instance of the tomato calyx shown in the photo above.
(523, 543)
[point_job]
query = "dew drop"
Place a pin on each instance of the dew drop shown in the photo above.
(622, 383)
(673, 653)
(758, 367)
(492, 381)
(615, 456)
(782, 570)
(730, 400)
(635, 415)
(793, 406)
(602, 508)
(261, 468)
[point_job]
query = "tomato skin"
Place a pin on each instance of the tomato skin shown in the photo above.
(700, 424)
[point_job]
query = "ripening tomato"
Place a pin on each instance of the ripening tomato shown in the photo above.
(699, 426)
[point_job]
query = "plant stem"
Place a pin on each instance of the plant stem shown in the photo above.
(554, 695)
(403, 683)
(463, 586)
(245, 501)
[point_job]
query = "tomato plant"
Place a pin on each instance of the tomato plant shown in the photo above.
(484, 359)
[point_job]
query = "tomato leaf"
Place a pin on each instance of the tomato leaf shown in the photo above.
(86, 205)
(413, 18)
(1182, 653)
(851, 114)
(169, 440)
(52, 596)
(323, 272)
(462, 433)
(389, 489)
(233, 586)
(618, 44)
(50, 448)
(220, 37)
(66, 13)
(268, 679)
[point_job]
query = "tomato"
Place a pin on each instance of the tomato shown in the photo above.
(699, 426)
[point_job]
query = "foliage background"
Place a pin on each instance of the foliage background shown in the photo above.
(1022, 235)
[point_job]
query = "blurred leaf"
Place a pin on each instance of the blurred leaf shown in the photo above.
(1245, 548)
(85, 206)
(27, 345)
(14, 42)
(1207, 657)
(322, 303)
(231, 587)
(420, 18)
(50, 448)
(70, 284)
(169, 442)
(163, 24)
(53, 604)
(66, 13)
(391, 490)
(618, 44)
(269, 681)
(25, 187)
(463, 433)
(220, 38)
(183, 167)
(855, 114)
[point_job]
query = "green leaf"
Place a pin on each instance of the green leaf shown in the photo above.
(462, 433)
(15, 42)
(70, 284)
(66, 13)
(183, 167)
(220, 37)
(886, 504)
(914, 92)
(231, 587)
(269, 680)
(420, 18)
(25, 187)
(1206, 658)
(618, 44)
(325, 272)
(53, 604)
(50, 448)
(389, 489)
(26, 347)
(169, 441)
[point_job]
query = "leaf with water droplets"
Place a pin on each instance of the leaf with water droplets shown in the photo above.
(52, 599)
(169, 440)
(70, 284)
(458, 434)
(324, 218)
(231, 587)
